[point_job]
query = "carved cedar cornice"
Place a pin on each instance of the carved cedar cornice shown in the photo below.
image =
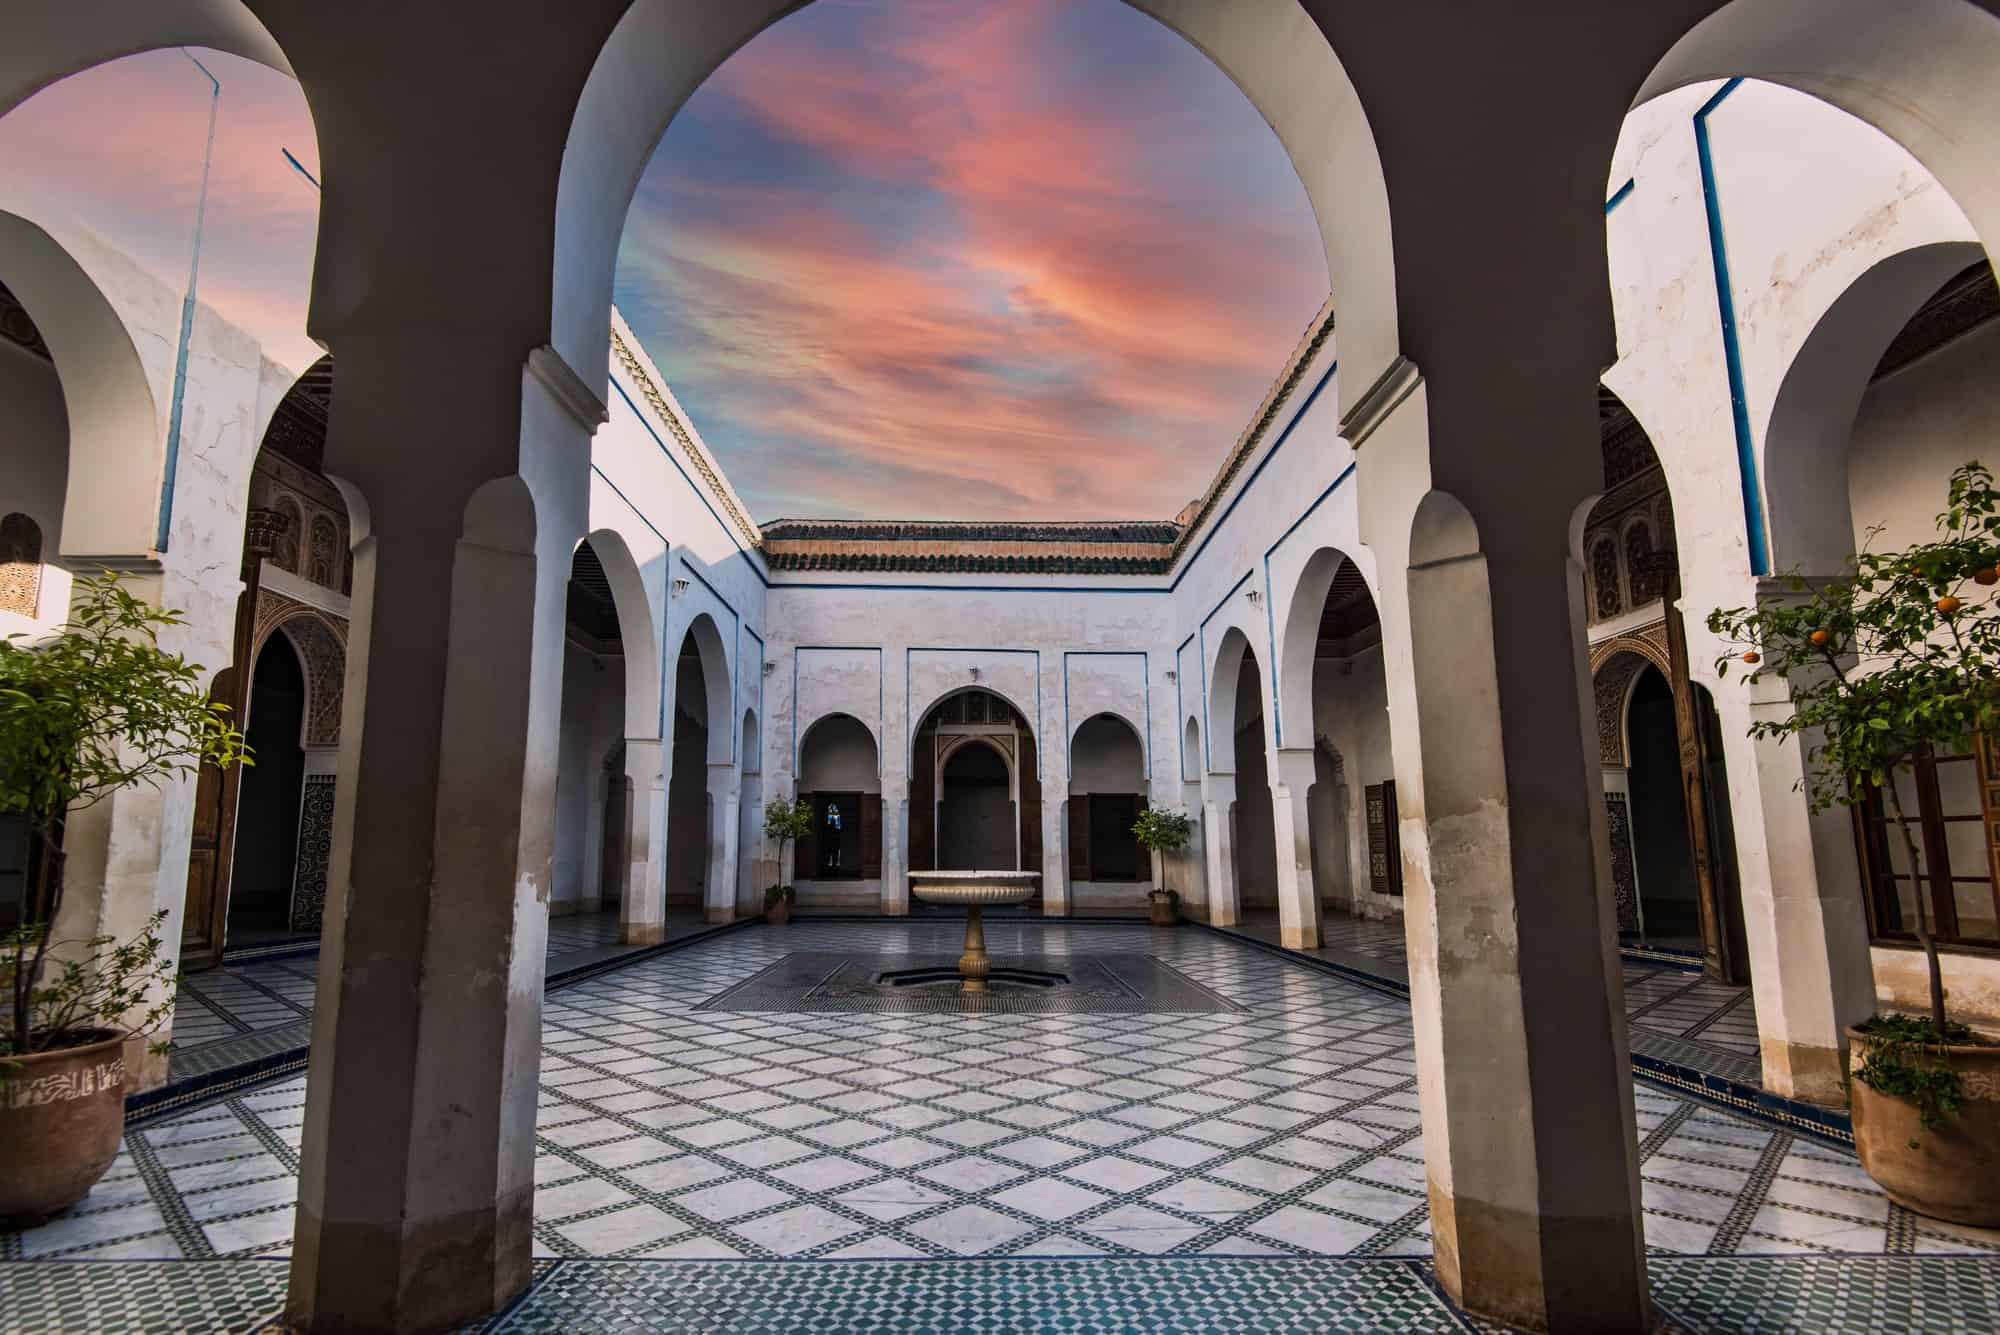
(695, 454)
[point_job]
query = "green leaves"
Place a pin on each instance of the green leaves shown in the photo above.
(101, 988)
(1162, 830)
(101, 706)
(1898, 654)
(786, 821)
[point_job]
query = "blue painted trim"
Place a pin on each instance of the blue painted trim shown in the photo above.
(1732, 353)
(1146, 690)
(1270, 614)
(1618, 197)
(637, 513)
(979, 588)
(1243, 488)
(300, 167)
(1041, 728)
(164, 530)
(881, 717)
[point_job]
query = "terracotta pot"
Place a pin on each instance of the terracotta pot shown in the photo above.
(779, 913)
(1954, 1171)
(1163, 910)
(62, 1114)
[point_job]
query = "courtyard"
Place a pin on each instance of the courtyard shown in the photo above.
(1254, 1168)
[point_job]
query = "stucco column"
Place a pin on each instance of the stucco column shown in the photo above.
(895, 845)
(1055, 847)
(642, 909)
(1189, 866)
(1523, 1072)
(719, 888)
(1291, 829)
(1219, 841)
(416, 1177)
(1804, 923)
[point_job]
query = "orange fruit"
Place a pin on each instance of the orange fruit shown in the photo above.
(1988, 575)
(1822, 637)
(1948, 604)
(1752, 656)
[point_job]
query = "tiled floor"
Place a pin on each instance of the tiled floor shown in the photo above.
(1709, 1026)
(251, 1007)
(1287, 1130)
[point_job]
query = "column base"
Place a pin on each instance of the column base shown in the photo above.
(1808, 1073)
(718, 916)
(144, 1070)
(1299, 938)
(642, 933)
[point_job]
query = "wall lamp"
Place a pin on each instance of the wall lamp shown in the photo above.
(680, 587)
(1255, 596)
(769, 667)
(975, 674)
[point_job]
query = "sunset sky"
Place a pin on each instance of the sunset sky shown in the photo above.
(897, 258)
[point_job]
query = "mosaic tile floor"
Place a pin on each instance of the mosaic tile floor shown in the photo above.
(249, 1008)
(1680, 1015)
(1287, 1130)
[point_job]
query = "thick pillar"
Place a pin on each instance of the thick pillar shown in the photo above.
(1804, 922)
(642, 909)
(1219, 840)
(416, 1181)
(1055, 847)
(1291, 832)
(895, 846)
(719, 886)
(1522, 1066)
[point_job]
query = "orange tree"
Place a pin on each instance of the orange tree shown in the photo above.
(1893, 660)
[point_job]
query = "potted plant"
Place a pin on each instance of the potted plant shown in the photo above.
(95, 708)
(786, 822)
(1160, 831)
(1892, 662)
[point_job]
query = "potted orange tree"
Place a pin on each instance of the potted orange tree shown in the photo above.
(786, 822)
(1160, 832)
(95, 708)
(1896, 660)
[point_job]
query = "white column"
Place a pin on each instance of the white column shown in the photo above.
(895, 846)
(416, 1180)
(1219, 837)
(719, 888)
(1055, 848)
(642, 909)
(1291, 832)
(1804, 922)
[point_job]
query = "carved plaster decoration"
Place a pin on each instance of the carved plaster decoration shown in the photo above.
(20, 564)
(1624, 877)
(1608, 600)
(1613, 683)
(321, 644)
(315, 853)
(695, 455)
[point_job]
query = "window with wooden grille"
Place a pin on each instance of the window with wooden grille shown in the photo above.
(1951, 806)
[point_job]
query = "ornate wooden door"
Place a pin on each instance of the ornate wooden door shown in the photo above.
(204, 920)
(1719, 957)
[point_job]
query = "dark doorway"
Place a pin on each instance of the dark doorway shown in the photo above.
(267, 813)
(837, 836)
(1668, 889)
(976, 818)
(1114, 849)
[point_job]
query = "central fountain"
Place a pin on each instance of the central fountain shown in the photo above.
(974, 891)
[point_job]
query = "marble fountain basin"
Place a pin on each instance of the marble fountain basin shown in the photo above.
(973, 891)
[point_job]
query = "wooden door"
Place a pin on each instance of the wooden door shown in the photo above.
(871, 836)
(1031, 805)
(205, 919)
(1718, 955)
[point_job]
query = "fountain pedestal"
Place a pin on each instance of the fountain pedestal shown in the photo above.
(973, 891)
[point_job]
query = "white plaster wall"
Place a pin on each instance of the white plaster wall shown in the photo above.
(1917, 425)
(1105, 758)
(838, 755)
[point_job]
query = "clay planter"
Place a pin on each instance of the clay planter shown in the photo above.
(779, 913)
(1163, 910)
(1954, 1171)
(61, 1116)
